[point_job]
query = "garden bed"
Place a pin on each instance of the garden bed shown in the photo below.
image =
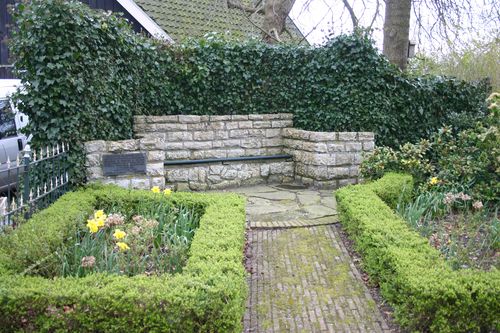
(426, 293)
(207, 294)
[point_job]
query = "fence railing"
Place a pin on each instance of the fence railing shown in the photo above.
(32, 182)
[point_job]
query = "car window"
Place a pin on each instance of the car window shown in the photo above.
(7, 120)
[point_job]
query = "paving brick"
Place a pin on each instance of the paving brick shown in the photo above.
(303, 279)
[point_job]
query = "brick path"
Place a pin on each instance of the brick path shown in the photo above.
(302, 278)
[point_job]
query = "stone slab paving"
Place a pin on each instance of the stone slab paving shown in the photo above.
(302, 277)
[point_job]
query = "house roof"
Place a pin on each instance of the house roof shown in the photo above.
(194, 18)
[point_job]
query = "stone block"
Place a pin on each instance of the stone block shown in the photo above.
(239, 133)
(229, 173)
(232, 143)
(221, 135)
(156, 156)
(273, 132)
(157, 181)
(122, 182)
(216, 125)
(258, 133)
(141, 183)
(366, 136)
(122, 146)
(211, 153)
(275, 142)
(245, 124)
(347, 136)
(281, 123)
(348, 181)
(225, 184)
(354, 171)
(271, 116)
(322, 136)
(338, 172)
(162, 119)
(261, 124)
(139, 120)
(93, 160)
(239, 117)
(198, 186)
(220, 118)
(357, 158)
(177, 175)
(344, 159)
(368, 145)
(294, 133)
(251, 143)
(256, 116)
(315, 147)
(179, 136)
(265, 170)
(217, 143)
(189, 119)
(182, 187)
(215, 169)
(171, 127)
(198, 145)
(203, 126)
(231, 125)
(235, 152)
(94, 173)
(353, 146)
(178, 155)
(174, 145)
(286, 116)
(317, 172)
(203, 136)
(155, 169)
(334, 147)
(151, 143)
(95, 146)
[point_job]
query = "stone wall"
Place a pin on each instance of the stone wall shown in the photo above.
(327, 159)
(202, 137)
(155, 158)
(319, 159)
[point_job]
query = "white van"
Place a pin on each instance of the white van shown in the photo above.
(12, 141)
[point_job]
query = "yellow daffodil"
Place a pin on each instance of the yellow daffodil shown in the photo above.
(155, 189)
(167, 192)
(434, 181)
(99, 214)
(122, 246)
(100, 222)
(92, 225)
(119, 234)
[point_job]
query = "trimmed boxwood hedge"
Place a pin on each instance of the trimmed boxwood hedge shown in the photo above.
(208, 296)
(427, 295)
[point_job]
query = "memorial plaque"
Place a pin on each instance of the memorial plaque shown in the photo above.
(124, 164)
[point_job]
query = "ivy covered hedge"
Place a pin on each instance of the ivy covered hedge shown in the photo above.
(208, 296)
(88, 73)
(427, 295)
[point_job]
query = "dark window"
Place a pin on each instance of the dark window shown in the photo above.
(7, 120)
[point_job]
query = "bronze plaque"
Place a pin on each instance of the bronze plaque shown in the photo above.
(124, 164)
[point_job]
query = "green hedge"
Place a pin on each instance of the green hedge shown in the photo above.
(208, 296)
(88, 73)
(427, 295)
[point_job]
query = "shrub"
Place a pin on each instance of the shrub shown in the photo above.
(208, 296)
(84, 66)
(465, 161)
(427, 295)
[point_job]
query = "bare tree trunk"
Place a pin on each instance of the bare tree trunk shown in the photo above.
(397, 31)
(275, 14)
